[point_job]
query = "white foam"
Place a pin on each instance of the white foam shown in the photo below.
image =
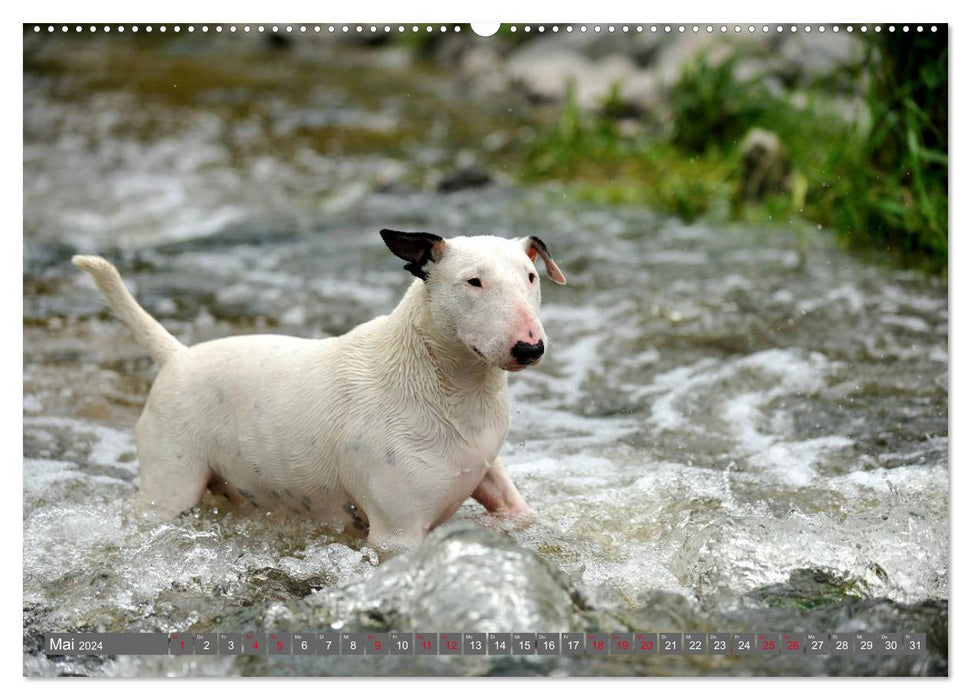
(785, 372)
(846, 297)
(910, 323)
(794, 462)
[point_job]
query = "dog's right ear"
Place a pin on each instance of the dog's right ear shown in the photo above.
(417, 248)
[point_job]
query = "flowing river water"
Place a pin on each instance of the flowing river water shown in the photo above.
(736, 428)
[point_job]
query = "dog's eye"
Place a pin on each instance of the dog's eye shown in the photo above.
(532, 277)
(475, 282)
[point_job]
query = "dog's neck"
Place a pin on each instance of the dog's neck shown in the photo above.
(458, 368)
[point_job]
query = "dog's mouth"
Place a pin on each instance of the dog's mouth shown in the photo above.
(486, 360)
(510, 366)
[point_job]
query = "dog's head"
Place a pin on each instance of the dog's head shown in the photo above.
(482, 290)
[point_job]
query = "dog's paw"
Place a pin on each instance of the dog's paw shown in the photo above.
(516, 517)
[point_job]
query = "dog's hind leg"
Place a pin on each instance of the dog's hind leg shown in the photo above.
(171, 479)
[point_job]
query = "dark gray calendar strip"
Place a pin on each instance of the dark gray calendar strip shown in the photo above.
(333, 643)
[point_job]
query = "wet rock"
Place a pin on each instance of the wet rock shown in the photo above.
(765, 165)
(463, 577)
(815, 55)
(548, 73)
(642, 47)
(464, 178)
(808, 588)
(484, 70)
(642, 67)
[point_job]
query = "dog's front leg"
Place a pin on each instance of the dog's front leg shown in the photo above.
(396, 540)
(397, 533)
(497, 493)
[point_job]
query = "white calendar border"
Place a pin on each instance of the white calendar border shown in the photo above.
(507, 11)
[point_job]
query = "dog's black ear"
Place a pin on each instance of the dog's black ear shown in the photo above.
(417, 248)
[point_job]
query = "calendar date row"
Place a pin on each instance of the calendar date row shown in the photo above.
(484, 644)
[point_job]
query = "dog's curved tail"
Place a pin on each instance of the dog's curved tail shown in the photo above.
(160, 343)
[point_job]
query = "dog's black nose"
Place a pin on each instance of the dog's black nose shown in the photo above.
(526, 354)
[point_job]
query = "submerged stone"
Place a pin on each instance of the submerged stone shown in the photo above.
(462, 578)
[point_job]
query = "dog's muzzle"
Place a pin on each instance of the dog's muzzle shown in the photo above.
(526, 354)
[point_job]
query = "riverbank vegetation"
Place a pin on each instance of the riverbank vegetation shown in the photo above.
(730, 148)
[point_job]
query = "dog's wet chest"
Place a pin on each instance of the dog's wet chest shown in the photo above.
(479, 429)
(448, 449)
(449, 457)
(472, 456)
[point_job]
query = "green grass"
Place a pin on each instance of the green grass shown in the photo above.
(905, 205)
(606, 166)
(880, 188)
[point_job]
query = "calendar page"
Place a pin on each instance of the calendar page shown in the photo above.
(613, 349)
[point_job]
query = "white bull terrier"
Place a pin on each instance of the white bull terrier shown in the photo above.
(385, 430)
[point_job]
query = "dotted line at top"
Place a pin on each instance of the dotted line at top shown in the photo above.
(428, 28)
